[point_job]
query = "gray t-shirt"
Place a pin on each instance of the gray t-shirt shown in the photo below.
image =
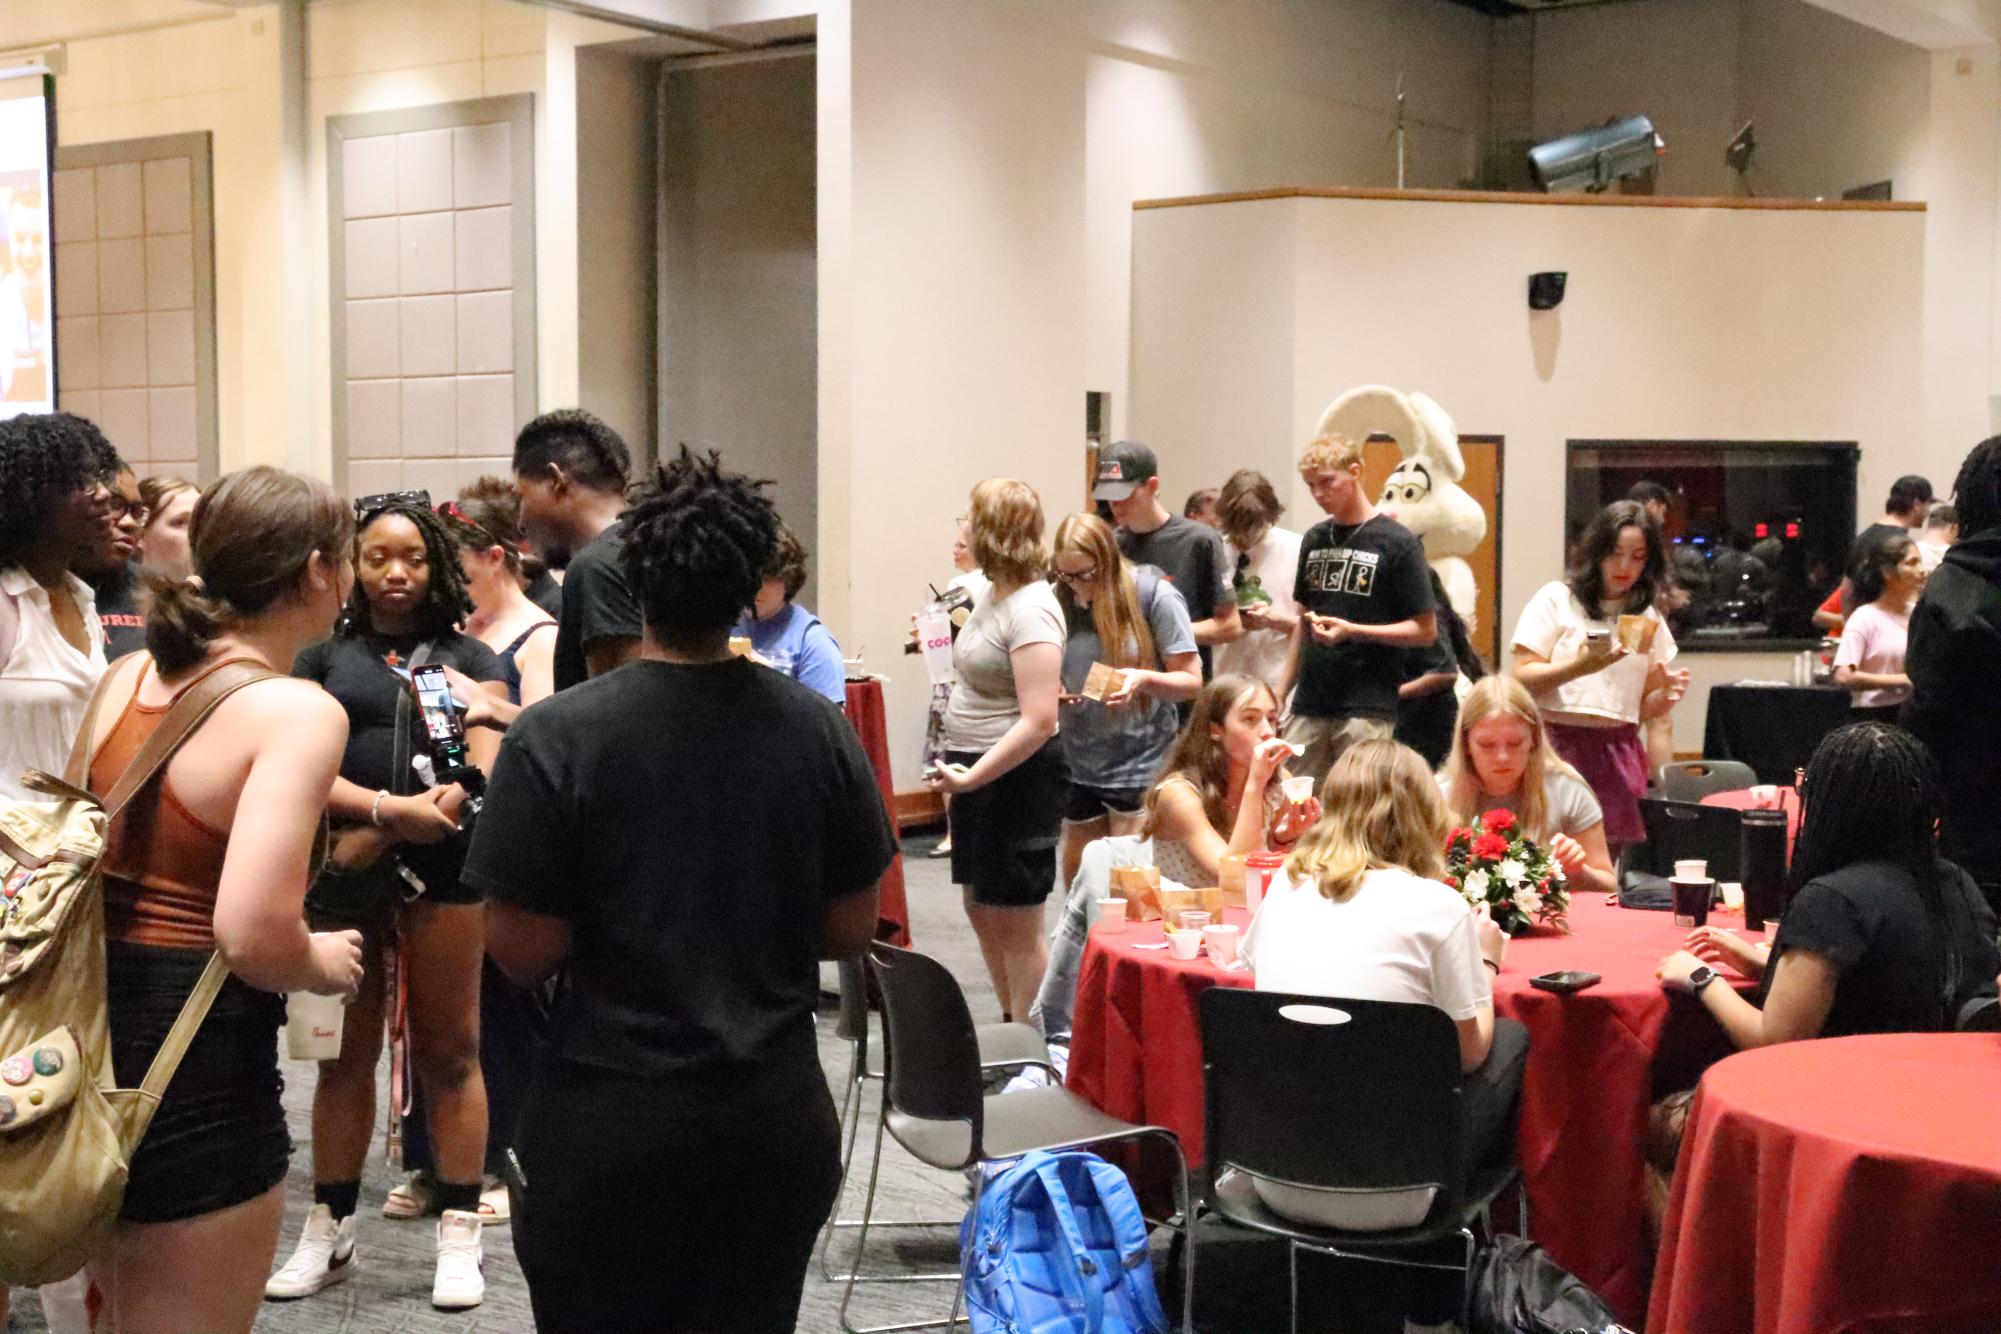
(1193, 557)
(1123, 747)
(1571, 805)
(983, 705)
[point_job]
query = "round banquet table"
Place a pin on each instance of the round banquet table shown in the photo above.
(1596, 1060)
(1843, 1184)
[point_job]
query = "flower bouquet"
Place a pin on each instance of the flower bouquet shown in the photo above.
(1495, 863)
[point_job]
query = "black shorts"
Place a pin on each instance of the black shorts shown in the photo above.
(368, 899)
(1004, 834)
(1094, 803)
(218, 1138)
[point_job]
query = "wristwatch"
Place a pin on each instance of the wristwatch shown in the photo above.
(1698, 978)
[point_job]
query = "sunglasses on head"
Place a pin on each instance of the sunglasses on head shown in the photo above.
(450, 510)
(367, 507)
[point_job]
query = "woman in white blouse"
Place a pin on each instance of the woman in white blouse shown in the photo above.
(1593, 651)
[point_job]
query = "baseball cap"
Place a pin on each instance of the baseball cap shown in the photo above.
(1122, 466)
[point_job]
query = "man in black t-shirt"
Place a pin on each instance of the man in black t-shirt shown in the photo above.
(570, 471)
(686, 837)
(1190, 554)
(1364, 594)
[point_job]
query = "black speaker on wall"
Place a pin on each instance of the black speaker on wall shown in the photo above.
(1546, 290)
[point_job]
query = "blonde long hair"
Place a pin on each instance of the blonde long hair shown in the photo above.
(1381, 809)
(1124, 638)
(1503, 697)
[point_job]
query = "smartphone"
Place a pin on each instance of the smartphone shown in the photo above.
(440, 712)
(1597, 636)
(1565, 982)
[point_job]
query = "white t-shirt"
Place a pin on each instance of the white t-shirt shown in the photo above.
(1261, 653)
(984, 705)
(45, 684)
(1554, 624)
(1396, 938)
(1874, 640)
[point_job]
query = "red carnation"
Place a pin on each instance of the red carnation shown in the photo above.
(1501, 821)
(1490, 847)
(1452, 881)
(1460, 835)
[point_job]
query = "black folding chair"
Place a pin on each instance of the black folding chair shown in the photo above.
(1692, 780)
(1348, 1096)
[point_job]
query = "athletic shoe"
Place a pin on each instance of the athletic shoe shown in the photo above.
(325, 1256)
(459, 1282)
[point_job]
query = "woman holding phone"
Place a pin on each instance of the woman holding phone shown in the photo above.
(394, 876)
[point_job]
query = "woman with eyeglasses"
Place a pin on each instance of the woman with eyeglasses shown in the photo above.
(55, 477)
(1135, 622)
(113, 568)
(397, 854)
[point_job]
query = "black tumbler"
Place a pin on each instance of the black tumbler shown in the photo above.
(1762, 864)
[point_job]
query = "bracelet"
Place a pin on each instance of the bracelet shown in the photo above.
(375, 809)
(1491, 964)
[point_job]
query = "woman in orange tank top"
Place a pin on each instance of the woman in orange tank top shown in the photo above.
(214, 857)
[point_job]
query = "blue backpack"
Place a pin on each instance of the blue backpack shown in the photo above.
(1058, 1246)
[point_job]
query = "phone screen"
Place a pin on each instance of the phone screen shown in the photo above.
(434, 701)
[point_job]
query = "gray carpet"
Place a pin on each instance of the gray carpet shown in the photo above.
(392, 1288)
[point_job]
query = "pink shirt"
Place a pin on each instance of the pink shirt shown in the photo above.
(1873, 640)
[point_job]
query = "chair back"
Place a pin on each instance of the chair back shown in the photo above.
(1692, 780)
(1982, 1014)
(931, 1055)
(1354, 1094)
(1679, 830)
(851, 1024)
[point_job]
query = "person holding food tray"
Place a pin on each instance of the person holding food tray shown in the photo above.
(1129, 657)
(1594, 652)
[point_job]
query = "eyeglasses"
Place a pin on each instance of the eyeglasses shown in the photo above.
(367, 507)
(1078, 576)
(112, 505)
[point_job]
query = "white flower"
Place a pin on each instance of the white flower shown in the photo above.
(1511, 871)
(1528, 900)
(1476, 886)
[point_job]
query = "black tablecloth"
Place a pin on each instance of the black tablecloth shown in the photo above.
(1774, 729)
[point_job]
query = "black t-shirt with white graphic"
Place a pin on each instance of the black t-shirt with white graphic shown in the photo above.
(1372, 573)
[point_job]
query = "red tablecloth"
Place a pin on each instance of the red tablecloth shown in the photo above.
(1596, 1059)
(865, 712)
(1844, 1184)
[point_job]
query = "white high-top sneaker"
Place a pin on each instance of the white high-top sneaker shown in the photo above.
(325, 1256)
(459, 1282)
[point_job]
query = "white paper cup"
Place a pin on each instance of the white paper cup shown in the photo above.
(1111, 916)
(1299, 789)
(312, 1026)
(1733, 895)
(1765, 796)
(1184, 944)
(1693, 869)
(1221, 938)
(934, 640)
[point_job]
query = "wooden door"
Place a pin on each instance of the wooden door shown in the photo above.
(1482, 453)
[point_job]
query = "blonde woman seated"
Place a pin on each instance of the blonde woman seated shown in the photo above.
(1359, 913)
(1501, 759)
(1219, 795)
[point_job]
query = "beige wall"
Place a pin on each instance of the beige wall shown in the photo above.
(1678, 324)
(616, 223)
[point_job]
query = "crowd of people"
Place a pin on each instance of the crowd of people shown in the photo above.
(603, 975)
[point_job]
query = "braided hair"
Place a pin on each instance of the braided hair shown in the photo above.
(1872, 793)
(446, 602)
(697, 543)
(1977, 489)
(44, 458)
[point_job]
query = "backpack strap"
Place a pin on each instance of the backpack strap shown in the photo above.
(188, 712)
(1079, 1285)
(77, 772)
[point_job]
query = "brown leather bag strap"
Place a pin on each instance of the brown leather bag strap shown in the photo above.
(187, 713)
(77, 772)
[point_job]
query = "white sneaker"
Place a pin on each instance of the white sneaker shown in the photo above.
(325, 1256)
(460, 1282)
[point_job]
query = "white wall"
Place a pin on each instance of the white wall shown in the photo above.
(617, 185)
(737, 348)
(1679, 323)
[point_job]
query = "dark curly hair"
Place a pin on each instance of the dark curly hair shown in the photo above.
(588, 451)
(698, 542)
(1600, 539)
(1977, 490)
(45, 457)
(446, 603)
